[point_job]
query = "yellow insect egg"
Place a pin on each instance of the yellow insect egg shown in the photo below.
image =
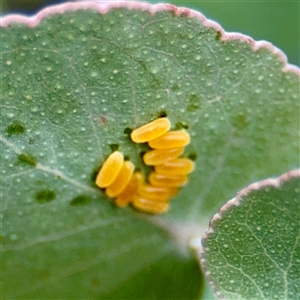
(158, 157)
(130, 191)
(110, 169)
(167, 181)
(122, 180)
(151, 130)
(171, 139)
(155, 193)
(148, 206)
(179, 166)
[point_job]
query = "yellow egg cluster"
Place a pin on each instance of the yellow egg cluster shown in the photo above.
(169, 174)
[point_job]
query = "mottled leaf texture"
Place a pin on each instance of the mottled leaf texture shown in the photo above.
(75, 79)
(252, 248)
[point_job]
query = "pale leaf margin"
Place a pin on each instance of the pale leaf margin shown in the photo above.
(236, 201)
(106, 6)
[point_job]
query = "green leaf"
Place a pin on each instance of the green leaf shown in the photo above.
(76, 79)
(267, 21)
(251, 249)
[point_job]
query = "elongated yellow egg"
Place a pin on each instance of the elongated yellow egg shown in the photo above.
(155, 193)
(158, 157)
(130, 191)
(121, 181)
(167, 181)
(171, 139)
(148, 206)
(151, 130)
(110, 169)
(179, 166)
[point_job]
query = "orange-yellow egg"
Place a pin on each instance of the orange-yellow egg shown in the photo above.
(148, 206)
(130, 191)
(155, 193)
(167, 181)
(171, 139)
(179, 166)
(122, 180)
(151, 130)
(110, 169)
(158, 157)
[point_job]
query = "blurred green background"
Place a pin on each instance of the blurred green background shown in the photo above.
(275, 21)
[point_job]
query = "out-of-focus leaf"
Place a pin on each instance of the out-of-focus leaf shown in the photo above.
(252, 249)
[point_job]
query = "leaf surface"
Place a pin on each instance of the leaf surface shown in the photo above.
(76, 78)
(252, 249)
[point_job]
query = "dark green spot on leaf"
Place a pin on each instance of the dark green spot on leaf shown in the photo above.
(143, 65)
(175, 87)
(80, 200)
(193, 156)
(240, 122)
(162, 114)
(142, 153)
(44, 196)
(24, 158)
(127, 130)
(15, 128)
(193, 103)
(114, 147)
(180, 125)
(94, 173)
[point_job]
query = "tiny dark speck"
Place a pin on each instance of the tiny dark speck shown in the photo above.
(102, 120)
(95, 282)
(218, 35)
